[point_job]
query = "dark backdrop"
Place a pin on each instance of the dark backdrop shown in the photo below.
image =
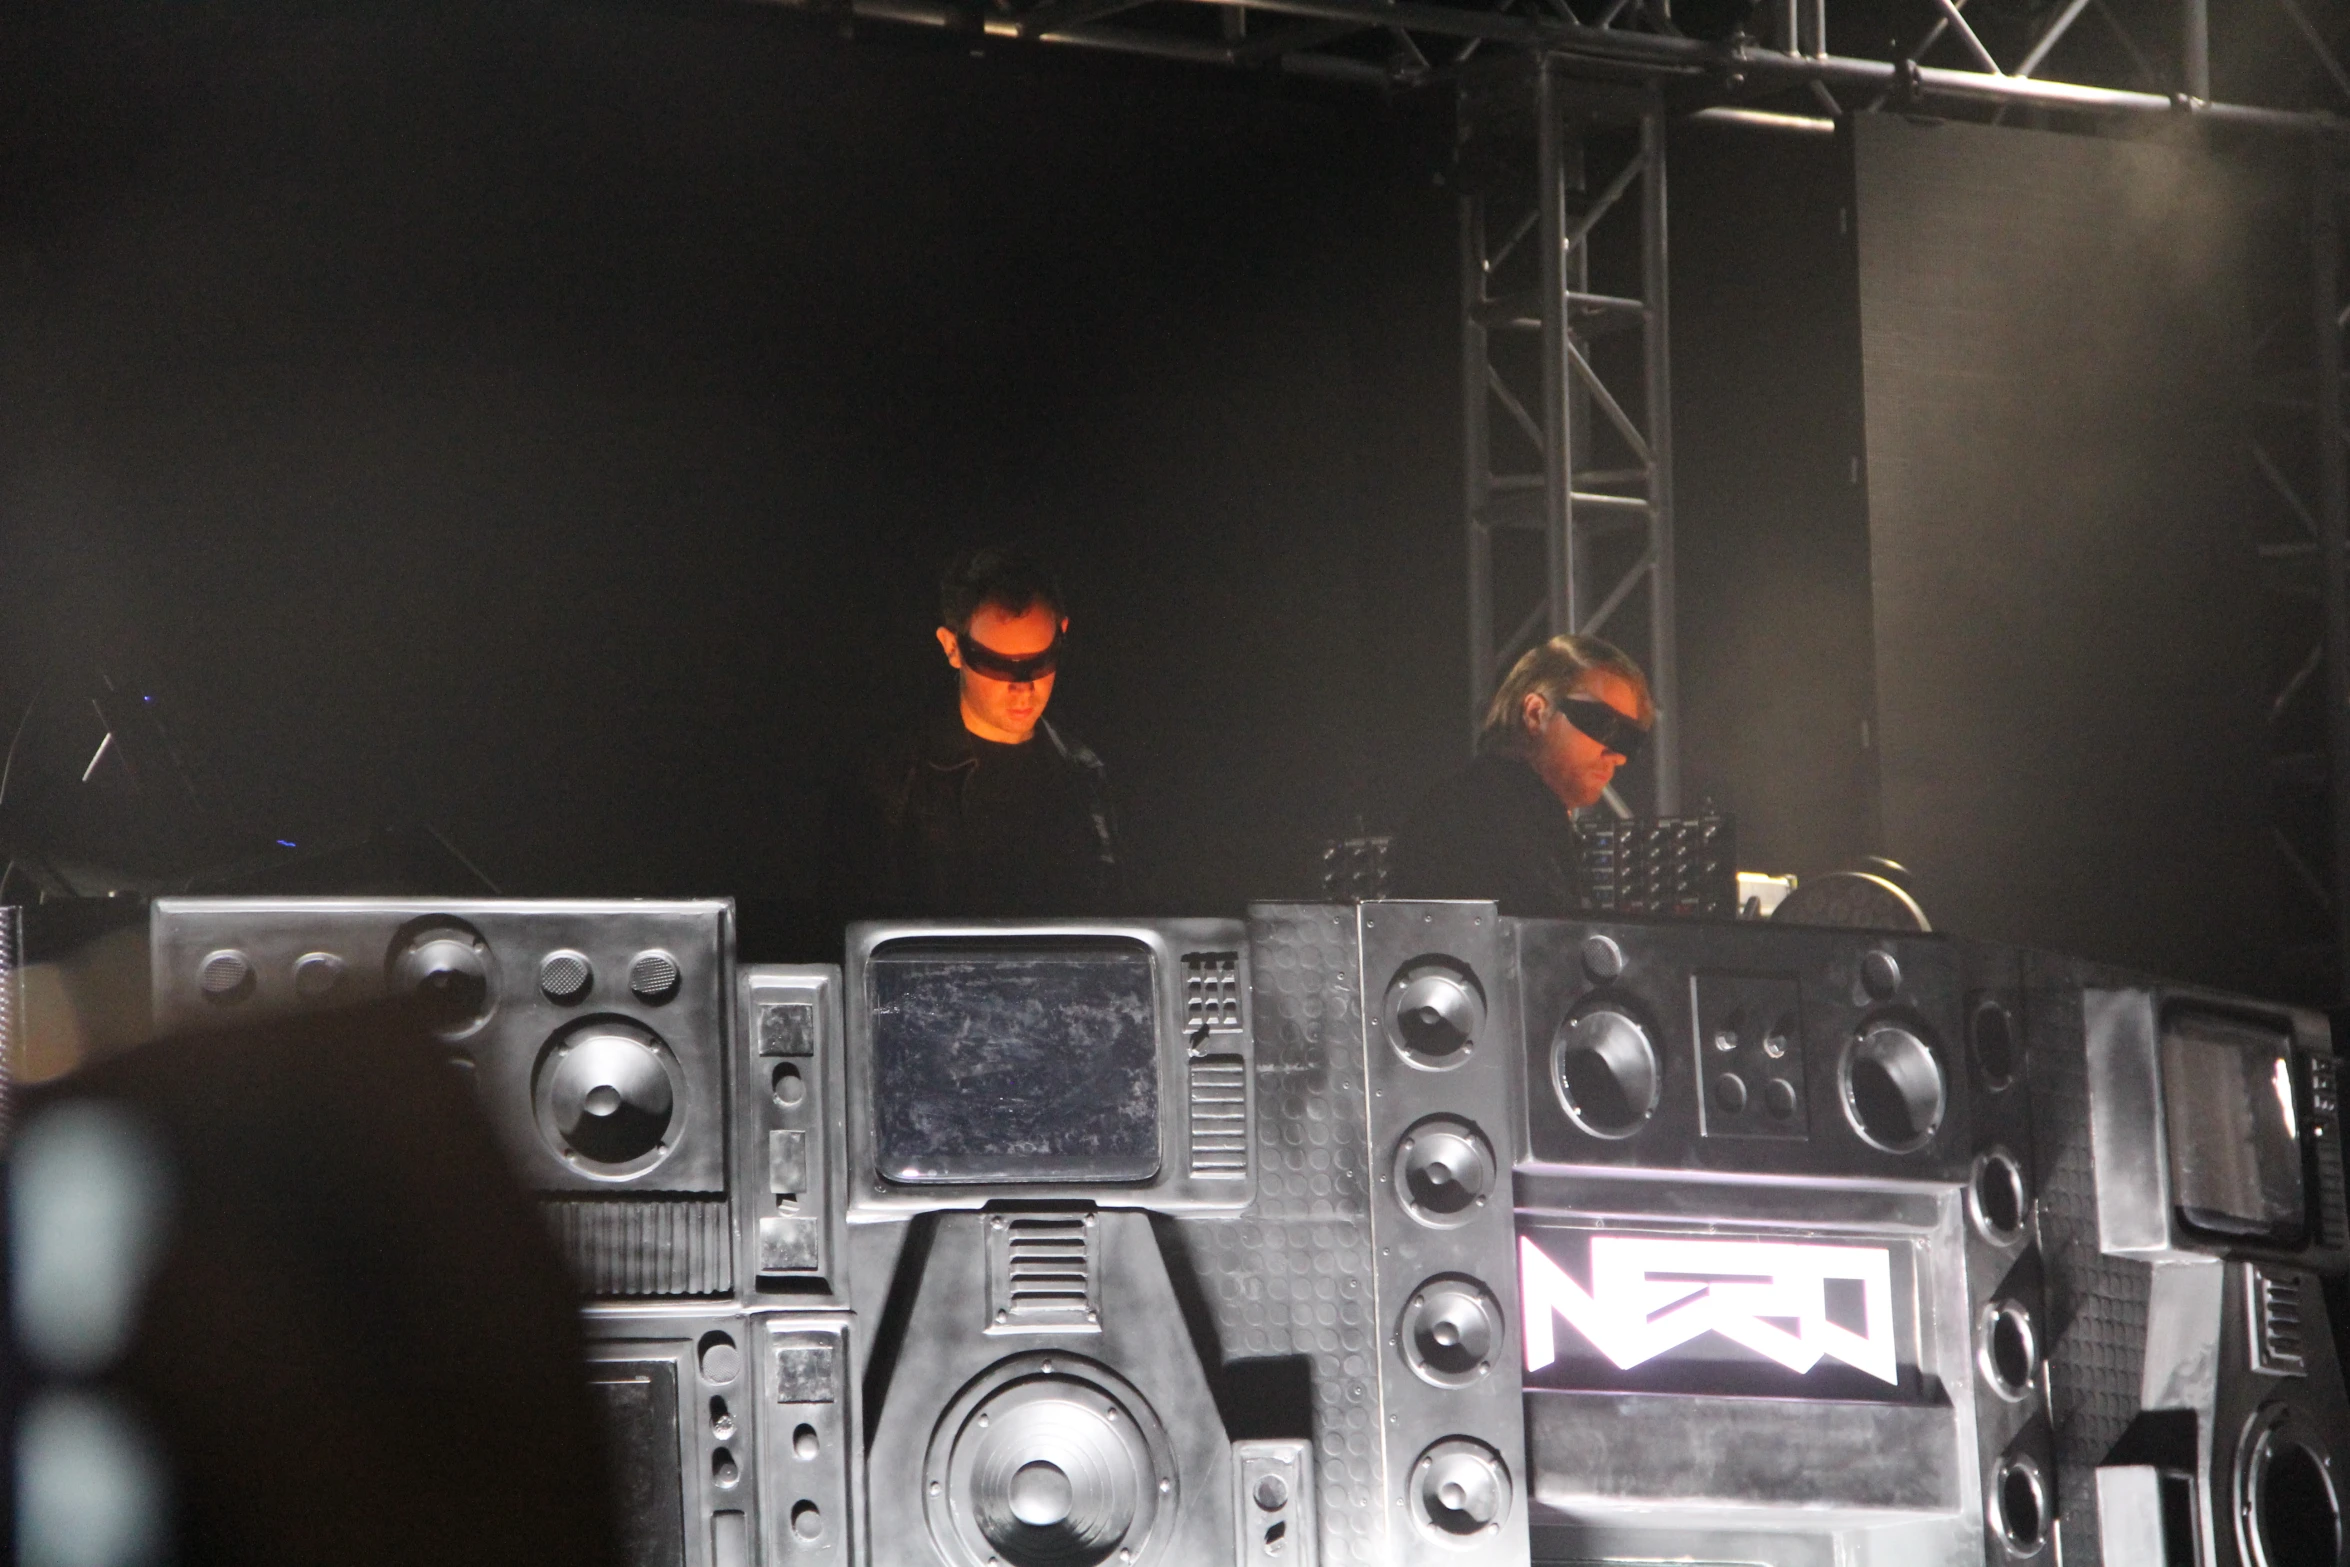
(546, 421)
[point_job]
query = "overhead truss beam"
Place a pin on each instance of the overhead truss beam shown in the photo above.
(1404, 41)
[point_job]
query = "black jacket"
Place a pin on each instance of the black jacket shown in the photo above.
(1491, 831)
(939, 823)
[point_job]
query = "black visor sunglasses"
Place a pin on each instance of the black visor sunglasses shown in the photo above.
(981, 659)
(1605, 725)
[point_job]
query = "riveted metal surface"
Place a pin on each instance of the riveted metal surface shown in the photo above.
(1293, 1278)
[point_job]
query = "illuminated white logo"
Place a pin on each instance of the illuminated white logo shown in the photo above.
(1650, 1293)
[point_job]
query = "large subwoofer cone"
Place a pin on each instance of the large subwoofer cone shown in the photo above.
(1049, 1461)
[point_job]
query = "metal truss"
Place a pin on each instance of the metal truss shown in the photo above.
(1777, 45)
(1566, 397)
(2297, 367)
(2308, 472)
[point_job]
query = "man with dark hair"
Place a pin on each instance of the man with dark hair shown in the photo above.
(983, 808)
(1569, 713)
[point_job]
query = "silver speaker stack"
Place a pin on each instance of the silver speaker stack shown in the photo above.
(1391, 1233)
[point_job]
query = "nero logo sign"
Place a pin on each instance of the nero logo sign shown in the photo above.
(1709, 1314)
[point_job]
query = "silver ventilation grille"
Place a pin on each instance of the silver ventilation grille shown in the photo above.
(1219, 1117)
(1041, 1273)
(2274, 1318)
(624, 1247)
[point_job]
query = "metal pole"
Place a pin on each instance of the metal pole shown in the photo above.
(1477, 459)
(2195, 47)
(1558, 464)
(1663, 670)
(2333, 533)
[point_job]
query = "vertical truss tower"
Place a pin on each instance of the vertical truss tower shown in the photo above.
(1565, 381)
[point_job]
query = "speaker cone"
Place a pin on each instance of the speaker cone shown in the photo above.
(1435, 1012)
(1451, 1331)
(607, 1096)
(445, 970)
(2288, 1506)
(1893, 1090)
(1049, 1461)
(1460, 1490)
(1606, 1071)
(1443, 1168)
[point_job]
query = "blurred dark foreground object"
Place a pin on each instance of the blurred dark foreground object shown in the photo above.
(355, 1342)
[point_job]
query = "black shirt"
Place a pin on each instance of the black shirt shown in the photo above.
(1491, 831)
(940, 823)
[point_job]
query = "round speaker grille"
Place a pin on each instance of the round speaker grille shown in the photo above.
(1460, 1492)
(653, 976)
(1893, 1089)
(1451, 1331)
(564, 976)
(1607, 1072)
(2288, 1496)
(609, 1095)
(2019, 1505)
(1443, 1169)
(317, 975)
(446, 970)
(226, 975)
(1434, 1012)
(1048, 1460)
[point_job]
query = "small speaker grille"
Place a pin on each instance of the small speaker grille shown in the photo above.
(225, 974)
(653, 976)
(1219, 1116)
(1211, 990)
(564, 976)
(626, 1247)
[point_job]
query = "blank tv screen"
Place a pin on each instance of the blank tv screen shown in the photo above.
(999, 1061)
(2235, 1143)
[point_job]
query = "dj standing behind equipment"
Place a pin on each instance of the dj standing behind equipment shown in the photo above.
(983, 807)
(1571, 712)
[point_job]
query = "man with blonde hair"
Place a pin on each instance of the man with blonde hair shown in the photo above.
(1570, 713)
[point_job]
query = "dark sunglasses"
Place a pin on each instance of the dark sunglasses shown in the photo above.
(1604, 724)
(981, 659)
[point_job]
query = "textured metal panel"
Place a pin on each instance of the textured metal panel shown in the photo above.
(2096, 1303)
(809, 1484)
(790, 1158)
(623, 1246)
(1293, 1278)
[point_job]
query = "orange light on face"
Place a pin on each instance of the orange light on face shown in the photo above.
(1574, 766)
(1005, 711)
